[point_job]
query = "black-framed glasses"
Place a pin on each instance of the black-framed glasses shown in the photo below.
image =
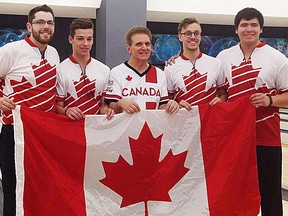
(189, 34)
(41, 22)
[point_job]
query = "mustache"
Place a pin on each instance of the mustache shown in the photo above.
(46, 31)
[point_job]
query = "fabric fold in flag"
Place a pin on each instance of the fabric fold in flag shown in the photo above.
(201, 162)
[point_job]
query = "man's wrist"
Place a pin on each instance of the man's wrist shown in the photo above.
(270, 100)
(65, 110)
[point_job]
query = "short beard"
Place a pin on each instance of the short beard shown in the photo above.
(36, 36)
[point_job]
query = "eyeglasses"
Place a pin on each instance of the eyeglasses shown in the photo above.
(43, 22)
(189, 34)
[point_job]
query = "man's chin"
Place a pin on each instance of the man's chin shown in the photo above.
(45, 40)
(193, 48)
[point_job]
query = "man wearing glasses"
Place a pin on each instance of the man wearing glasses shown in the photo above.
(194, 78)
(28, 72)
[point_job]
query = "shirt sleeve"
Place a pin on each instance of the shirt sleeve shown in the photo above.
(6, 60)
(60, 87)
(170, 86)
(164, 93)
(221, 76)
(282, 78)
(114, 88)
(106, 80)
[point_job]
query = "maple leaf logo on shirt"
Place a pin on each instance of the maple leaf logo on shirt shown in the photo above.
(195, 90)
(84, 95)
(85, 86)
(147, 179)
(243, 81)
(128, 78)
(35, 89)
(82, 87)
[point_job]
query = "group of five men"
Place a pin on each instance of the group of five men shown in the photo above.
(30, 69)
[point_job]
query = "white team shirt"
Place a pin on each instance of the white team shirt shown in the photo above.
(148, 90)
(28, 76)
(267, 72)
(82, 89)
(195, 83)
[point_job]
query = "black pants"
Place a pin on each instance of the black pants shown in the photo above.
(269, 173)
(7, 146)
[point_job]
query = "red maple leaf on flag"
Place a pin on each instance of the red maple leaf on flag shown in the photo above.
(128, 78)
(147, 179)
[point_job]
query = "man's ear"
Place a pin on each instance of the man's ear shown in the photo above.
(70, 39)
(179, 37)
(29, 26)
(128, 49)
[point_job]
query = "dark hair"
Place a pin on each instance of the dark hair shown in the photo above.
(248, 14)
(34, 10)
(137, 30)
(80, 23)
(185, 22)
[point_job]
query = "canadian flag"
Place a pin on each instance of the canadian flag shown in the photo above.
(201, 162)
